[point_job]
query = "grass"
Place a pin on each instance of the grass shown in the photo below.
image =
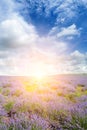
(6, 92)
(17, 93)
(1, 89)
(71, 97)
(81, 85)
(80, 91)
(76, 123)
(9, 106)
(35, 127)
(7, 85)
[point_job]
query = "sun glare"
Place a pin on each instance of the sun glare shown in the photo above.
(39, 75)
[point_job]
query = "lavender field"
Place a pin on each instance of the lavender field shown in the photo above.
(52, 103)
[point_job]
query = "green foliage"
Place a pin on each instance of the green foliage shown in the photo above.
(61, 94)
(11, 128)
(22, 107)
(0, 89)
(85, 92)
(7, 85)
(80, 90)
(76, 123)
(35, 127)
(6, 92)
(17, 93)
(81, 85)
(37, 108)
(54, 115)
(9, 106)
(71, 97)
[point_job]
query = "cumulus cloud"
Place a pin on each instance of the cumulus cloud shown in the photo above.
(73, 63)
(68, 32)
(21, 46)
(16, 32)
(71, 30)
(76, 62)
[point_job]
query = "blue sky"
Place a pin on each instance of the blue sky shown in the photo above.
(46, 34)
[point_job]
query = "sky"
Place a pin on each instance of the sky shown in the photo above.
(43, 35)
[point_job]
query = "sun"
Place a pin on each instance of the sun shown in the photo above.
(39, 75)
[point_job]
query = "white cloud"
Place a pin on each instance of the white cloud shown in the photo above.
(69, 31)
(16, 32)
(24, 62)
(21, 47)
(77, 62)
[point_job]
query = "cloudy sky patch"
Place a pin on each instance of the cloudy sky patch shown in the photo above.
(48, 33)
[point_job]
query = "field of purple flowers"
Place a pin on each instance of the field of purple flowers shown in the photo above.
(54, 103)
